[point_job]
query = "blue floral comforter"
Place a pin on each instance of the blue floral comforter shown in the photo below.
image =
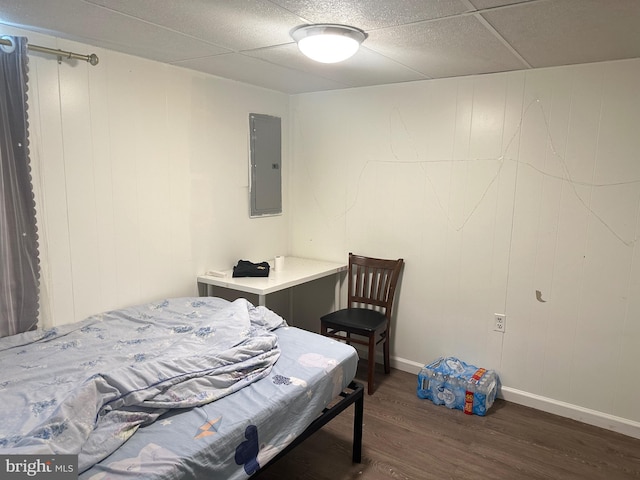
(85, 388)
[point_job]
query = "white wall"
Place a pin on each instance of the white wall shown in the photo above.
(141, 178)
(492, 188)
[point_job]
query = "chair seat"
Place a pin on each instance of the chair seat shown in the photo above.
(364, 319)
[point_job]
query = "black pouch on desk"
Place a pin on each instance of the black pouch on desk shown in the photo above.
(245, 268)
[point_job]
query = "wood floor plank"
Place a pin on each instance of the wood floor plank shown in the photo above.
(406, 438)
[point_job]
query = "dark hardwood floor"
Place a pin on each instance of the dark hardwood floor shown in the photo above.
(409, 438)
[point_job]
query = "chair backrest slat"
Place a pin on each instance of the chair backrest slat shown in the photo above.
(372, 282)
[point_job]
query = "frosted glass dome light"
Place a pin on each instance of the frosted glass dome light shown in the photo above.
(328, 43)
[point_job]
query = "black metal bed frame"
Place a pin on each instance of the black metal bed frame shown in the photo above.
(353, 394)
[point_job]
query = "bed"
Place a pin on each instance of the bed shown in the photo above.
(180, 389)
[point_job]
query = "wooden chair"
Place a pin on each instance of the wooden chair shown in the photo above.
(371, 289)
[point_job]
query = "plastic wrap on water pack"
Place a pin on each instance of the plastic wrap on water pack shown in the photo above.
(451, 382)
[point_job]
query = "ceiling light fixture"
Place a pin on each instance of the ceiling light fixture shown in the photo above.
(328, 43)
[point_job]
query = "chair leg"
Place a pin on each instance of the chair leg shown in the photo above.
(385, 349)
(372, 364)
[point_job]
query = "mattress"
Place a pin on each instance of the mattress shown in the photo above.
(234, 436)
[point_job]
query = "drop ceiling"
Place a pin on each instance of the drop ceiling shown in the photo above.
(407, 40)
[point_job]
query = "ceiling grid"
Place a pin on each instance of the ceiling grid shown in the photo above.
(407, 40)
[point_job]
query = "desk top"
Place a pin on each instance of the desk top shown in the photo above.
(296, 271)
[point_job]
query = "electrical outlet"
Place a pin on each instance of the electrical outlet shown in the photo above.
(500, 324)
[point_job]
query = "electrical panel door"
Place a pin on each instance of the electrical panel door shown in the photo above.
(266, 162)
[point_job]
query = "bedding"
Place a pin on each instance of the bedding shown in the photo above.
(184, 388)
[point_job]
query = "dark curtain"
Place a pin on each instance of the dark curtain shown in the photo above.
(19, 271)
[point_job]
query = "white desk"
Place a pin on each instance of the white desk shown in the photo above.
(296, 271)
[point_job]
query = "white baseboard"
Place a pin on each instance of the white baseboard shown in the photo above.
(575, 412)
(549, 405)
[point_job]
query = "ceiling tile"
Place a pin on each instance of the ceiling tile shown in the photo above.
(480, 4)
(97, 26)
(445, 48)
(372, 14)
(565, 32)
(236, 25)
(258, 72)
(363, 69)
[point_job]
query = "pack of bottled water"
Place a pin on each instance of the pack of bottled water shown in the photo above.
(451, 382)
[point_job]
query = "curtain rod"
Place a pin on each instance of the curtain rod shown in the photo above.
(92, 59)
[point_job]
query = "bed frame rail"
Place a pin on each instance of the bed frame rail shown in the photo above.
(352, 395)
